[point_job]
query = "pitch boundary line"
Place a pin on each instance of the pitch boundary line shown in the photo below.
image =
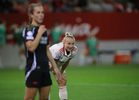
(121, 85)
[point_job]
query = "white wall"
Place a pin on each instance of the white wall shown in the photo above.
(10, 57)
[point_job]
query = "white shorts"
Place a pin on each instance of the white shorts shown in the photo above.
(64, 72)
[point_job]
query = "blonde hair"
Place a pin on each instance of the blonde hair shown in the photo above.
(68, 34)
(31, 10)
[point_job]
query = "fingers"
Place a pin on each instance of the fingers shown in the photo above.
(42, 29)
(62, 82)
(63, 76)
(58, 77)
(57, 74)
(50, 67)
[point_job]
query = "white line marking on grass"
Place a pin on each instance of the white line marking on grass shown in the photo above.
(120, 85)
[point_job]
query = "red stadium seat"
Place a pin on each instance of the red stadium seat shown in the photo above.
(46, 8)
(20, 8)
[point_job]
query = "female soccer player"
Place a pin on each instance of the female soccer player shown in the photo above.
(37, 53)
(56, 32)
(2, 37)
(63, 52)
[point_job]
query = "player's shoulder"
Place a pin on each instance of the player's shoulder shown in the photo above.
(32, 27)
(24, 30)
(32, 30)
(57, 47)
(74, 52)
(60, 47)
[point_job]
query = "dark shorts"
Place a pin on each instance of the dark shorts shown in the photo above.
(38, 79)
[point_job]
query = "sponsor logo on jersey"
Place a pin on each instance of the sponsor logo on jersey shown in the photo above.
(35, 83)
(38, 67)
(75, 49)
(57, 55)
(74, 55)
(43, 40)
(61, 50)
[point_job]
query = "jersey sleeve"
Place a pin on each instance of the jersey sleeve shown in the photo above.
(55, 52)
(28, 35)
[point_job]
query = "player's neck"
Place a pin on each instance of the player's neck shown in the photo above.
(35, 23)
(68, 52)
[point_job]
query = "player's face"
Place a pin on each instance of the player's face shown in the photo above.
(69, 44)
(38, 15)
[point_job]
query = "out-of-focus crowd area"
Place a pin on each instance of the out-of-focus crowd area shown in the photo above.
(21, 6)
(116, 31)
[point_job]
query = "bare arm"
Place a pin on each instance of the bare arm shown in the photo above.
(65, 65)
(32, 45)
(53, 63)
(51, 68)
(51, 58)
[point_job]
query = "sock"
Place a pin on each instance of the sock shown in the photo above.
(63, 95)
(49, 97)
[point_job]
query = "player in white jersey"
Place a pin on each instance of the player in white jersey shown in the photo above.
(62, 53)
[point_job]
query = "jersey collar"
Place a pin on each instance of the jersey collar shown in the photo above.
(65, 53)
(33, 25)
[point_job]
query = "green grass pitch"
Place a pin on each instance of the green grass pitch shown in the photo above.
(96, 82)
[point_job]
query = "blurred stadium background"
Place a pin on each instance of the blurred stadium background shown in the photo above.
(116, 24)
(114, 21)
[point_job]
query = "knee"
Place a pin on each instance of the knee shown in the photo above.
(62, 83)
(43, 98)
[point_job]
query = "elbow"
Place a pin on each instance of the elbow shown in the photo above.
(30, 46)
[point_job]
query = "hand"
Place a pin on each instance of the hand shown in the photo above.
(50, 67)
(42, 29)
(63, 76)
(58, 74)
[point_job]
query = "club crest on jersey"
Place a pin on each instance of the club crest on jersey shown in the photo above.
(57, 55)
(29, 36)
(74, 55)
(43, 40)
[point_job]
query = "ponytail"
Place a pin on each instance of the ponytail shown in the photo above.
(68, 34)
(31, 10)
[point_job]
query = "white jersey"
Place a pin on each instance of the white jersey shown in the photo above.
(59, 53)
